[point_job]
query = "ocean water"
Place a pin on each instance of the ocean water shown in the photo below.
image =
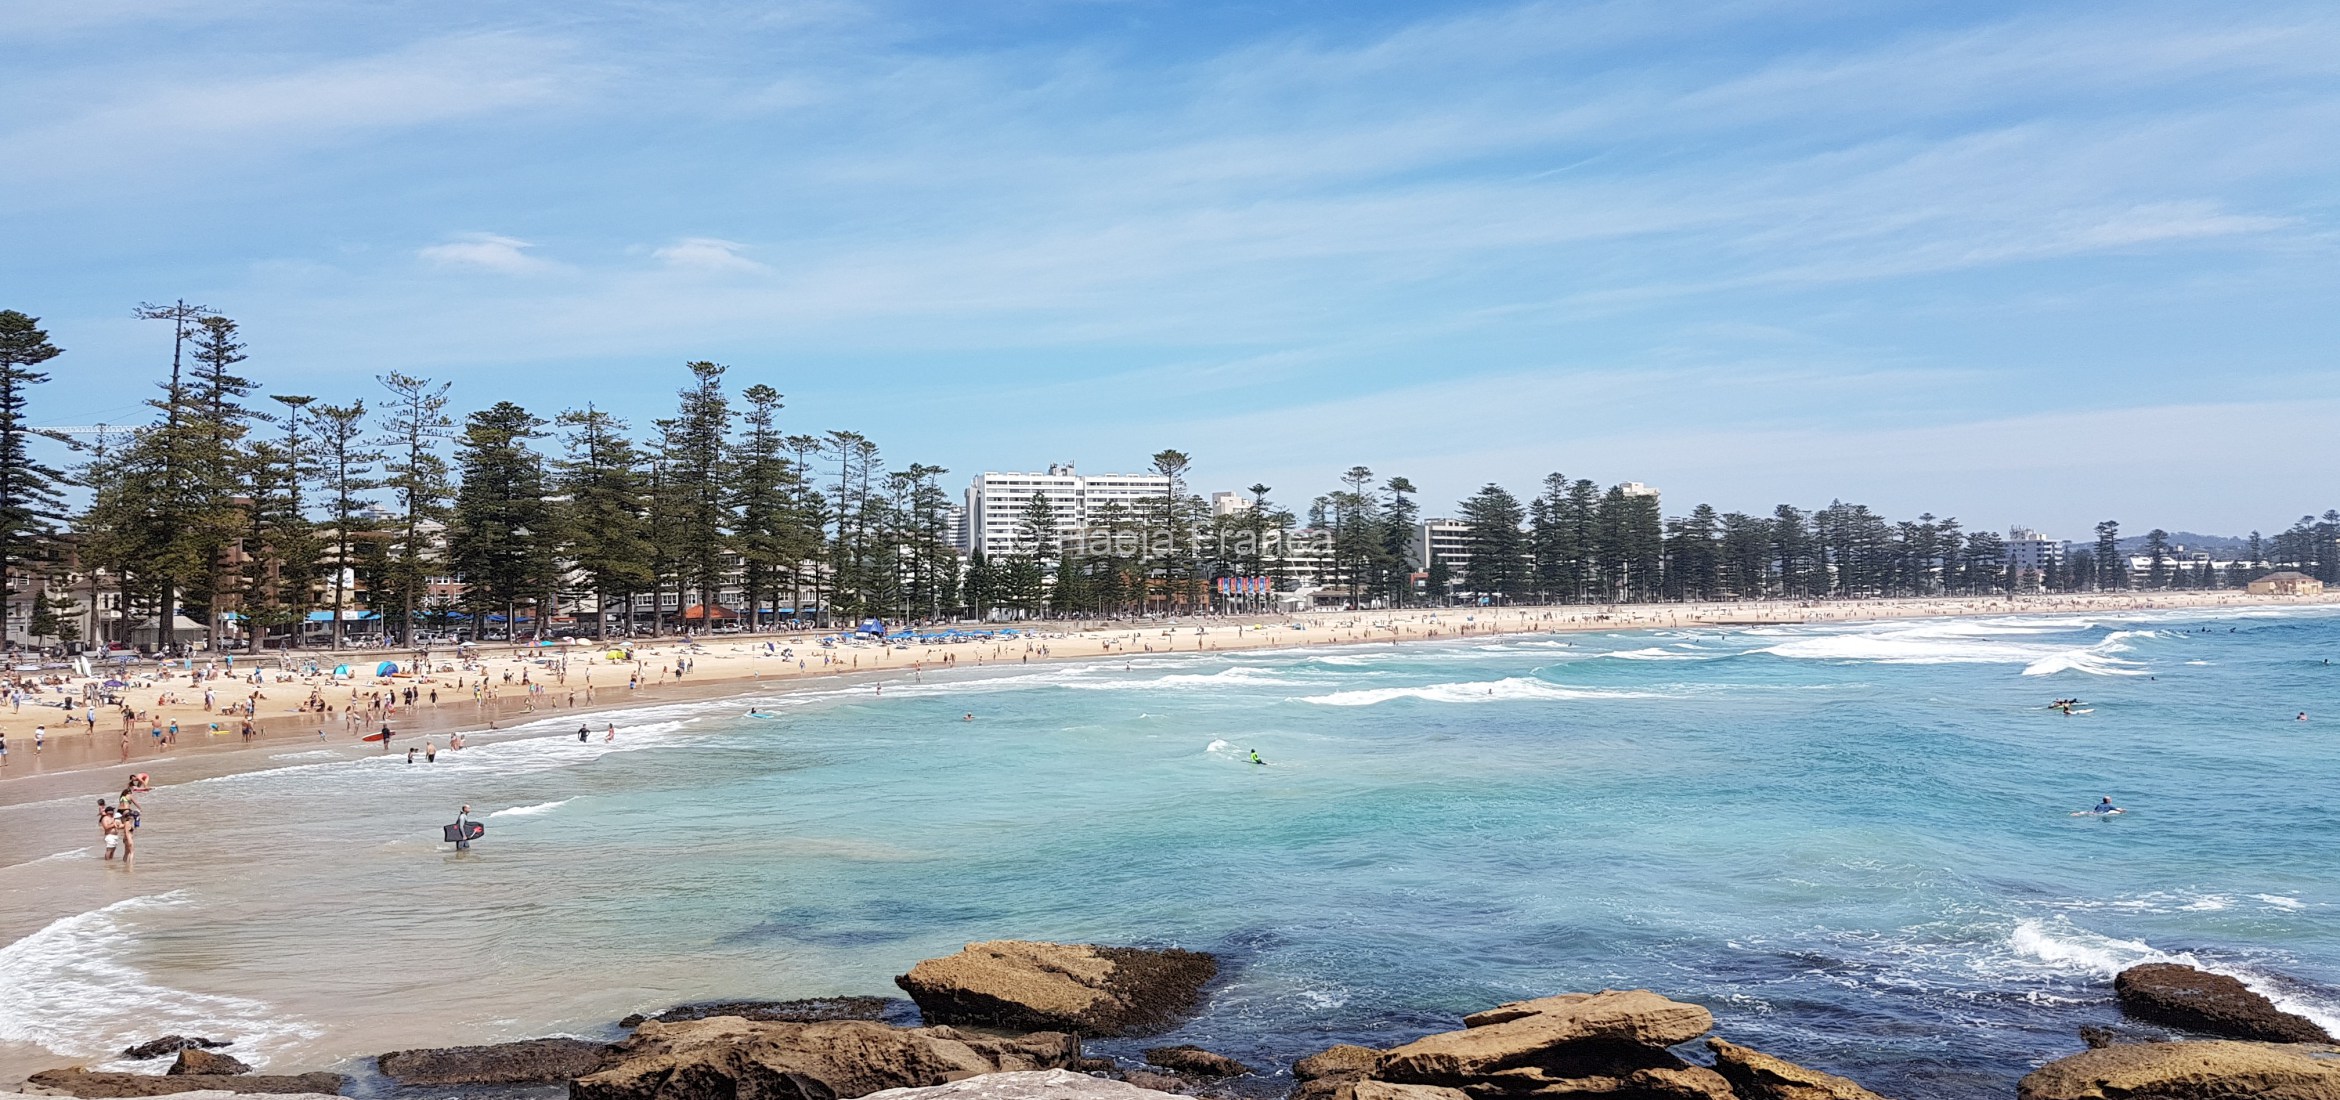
(1852, 842)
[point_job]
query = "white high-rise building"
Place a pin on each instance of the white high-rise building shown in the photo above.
(2028, 550)
(996, 502)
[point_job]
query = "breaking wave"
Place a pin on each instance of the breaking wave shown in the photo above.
(1508, 689)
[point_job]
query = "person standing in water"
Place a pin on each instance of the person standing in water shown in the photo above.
(463, 828)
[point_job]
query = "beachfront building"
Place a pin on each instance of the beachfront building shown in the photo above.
(996, 501)
(2286, 583)
(1447, 540)
(2029, 550)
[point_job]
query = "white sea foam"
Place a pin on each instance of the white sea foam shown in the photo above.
(1508, 689)
(2276, 900)
(1956, 642)
(312, 754)
(2070, 948)
(532, 811)
(57, 974)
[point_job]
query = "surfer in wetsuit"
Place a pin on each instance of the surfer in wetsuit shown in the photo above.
(463, 829)
(1256, 760)
(2104, 807)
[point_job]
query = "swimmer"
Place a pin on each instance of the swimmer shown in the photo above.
(2104, 808)
(967, 717)
(581, 734)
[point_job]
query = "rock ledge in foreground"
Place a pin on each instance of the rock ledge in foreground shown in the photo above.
(2218, 1069)
(1755, 1075)
(76, 1081)
(2213, 1004)
(831, 1060)
(1081, 988)
(528, 1062)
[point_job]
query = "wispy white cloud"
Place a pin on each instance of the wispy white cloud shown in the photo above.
(708, 254)
(486, 252)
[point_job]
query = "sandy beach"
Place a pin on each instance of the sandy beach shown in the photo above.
(497, 686)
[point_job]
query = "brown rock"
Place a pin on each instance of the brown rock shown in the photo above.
(2214, 1004)
(1759, 1076)
(530, 1062)
(1331, 1086)
(81, 1082)
(1344, 1058)
(1195, 1060)
(1683, 1083)
(1080, 988)
(1586, 1032)
(728, 1057)
(1156, 1082)
(2214, 1070)
(199, 1060)
(1369, 1089)
(1518, 1010)
(170, 1044)
(811, 1010)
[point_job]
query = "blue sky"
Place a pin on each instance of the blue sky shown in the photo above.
(2036, 264)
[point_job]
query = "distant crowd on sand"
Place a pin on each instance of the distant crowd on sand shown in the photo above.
(227, 694)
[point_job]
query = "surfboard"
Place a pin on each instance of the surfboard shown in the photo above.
(2093, 813)
(375, 737)
(450, 831)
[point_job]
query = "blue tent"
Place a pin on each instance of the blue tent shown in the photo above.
(386, 668)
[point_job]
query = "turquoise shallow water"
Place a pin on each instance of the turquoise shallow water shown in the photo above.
(1851, 842)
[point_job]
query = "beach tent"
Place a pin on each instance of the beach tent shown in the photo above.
(340, 670)
(386, 668)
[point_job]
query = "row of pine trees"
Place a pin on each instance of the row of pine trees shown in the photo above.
(260, 512)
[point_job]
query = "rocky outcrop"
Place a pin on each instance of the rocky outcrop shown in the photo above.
(1195, 1061)
(170, 1044)
(808, 1011)
(81, 1082)
(198, 1060)
(1154, 1082)
(1390, 1090)
(1532, 1044)
(1755, 1075)
(2213, 1004)
(736, 1059)
(1055, 1084)
(1333, 1073)
(1081, 988)
(530, 1062)
(2214, 1070)
(1344, 1058)
(1611, 1045)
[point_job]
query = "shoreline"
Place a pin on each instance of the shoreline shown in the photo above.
(729, 666)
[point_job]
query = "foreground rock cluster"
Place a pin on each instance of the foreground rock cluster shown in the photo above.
(1616, 1045)
(1004, 1020)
